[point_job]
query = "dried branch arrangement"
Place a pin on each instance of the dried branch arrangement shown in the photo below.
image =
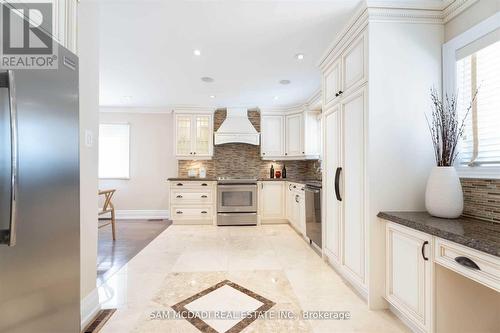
(445, 127)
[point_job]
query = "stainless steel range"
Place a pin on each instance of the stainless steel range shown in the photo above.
(236, 201)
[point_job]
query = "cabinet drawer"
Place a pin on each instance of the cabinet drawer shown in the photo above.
(190, 184)
(193, 213)
(487, 272)
(183, 197)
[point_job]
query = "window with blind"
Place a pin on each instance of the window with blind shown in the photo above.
(114, 151)
(478, 68)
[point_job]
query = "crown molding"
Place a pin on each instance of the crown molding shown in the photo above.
(454, 8)
(135, 109)
(423, 12)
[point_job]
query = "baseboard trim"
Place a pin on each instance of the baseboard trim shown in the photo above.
(142, 214)
(89, 307)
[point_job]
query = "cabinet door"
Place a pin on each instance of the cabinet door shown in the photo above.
(302, 214)
(272, 200)
(331, 206)
(353, 172)
(331, 82)
(294, 135)
(183, 132)
(408, 274)
(203, 135)
(289, 201)
(353, 64)
(272, 136)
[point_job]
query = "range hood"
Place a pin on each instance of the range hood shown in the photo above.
(237, 128)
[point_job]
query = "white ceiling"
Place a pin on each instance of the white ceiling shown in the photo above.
(146, 51)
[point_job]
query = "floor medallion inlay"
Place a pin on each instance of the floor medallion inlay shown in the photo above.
(225, 307)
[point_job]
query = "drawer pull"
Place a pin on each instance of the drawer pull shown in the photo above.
(464, 261)
(423, 250)
(180, 184)
(179, 212)
(204, 184)
(204, 212)
(179, 196)
(204, 196)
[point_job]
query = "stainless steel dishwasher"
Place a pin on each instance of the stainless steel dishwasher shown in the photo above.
(313, 213)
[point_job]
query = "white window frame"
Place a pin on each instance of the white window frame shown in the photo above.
(449, 84)
(129, 152)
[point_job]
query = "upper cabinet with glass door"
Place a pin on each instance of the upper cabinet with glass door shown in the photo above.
(193, 136)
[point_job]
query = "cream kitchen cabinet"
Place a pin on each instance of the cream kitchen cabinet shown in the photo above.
(347, 72)
(271, 196)
(291, 136)
(409, 274)
(332, 207)
(192, 202)
(193, 136)
(294, 135)
(296, 206)
(272, 136)
(344, 188)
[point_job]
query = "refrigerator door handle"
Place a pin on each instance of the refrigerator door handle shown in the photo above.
(14, 159)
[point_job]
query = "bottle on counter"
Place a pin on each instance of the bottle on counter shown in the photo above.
(272, 171)
(283, 171)
(278, 174)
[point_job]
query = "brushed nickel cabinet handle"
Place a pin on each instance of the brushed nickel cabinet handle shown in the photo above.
(179, 196)
(179, 212)
(204, 184)
(180, 184)
(204, 212)
(204, 196)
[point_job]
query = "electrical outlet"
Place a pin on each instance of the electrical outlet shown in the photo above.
(89, 138)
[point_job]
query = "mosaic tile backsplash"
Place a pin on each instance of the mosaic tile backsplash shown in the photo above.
(482, 198)
(243, 160)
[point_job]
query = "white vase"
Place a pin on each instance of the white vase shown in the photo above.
(443, 195)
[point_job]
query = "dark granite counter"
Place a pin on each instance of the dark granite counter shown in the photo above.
(195, 179)
(476, 234)
(292, 180)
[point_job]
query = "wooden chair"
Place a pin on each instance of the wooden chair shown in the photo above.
(108, 208)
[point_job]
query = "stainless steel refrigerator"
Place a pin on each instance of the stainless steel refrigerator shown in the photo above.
(39, 199)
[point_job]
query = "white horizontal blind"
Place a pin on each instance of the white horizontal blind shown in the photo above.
(114, 151)
(486, 134)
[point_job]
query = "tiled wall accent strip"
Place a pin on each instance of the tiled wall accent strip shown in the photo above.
(482, 198)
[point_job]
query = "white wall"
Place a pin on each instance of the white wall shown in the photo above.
(470, 17)
(152, 160)
(88, 51)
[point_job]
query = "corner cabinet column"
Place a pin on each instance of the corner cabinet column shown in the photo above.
(193, 135)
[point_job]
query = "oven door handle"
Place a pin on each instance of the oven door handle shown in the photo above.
(237, 187)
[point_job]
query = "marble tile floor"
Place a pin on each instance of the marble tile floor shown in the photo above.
(270, 261)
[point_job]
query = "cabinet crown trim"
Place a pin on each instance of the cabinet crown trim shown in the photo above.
(393, 11)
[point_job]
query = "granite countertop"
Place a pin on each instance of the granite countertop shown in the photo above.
(474, 233)
(292, 180)
(196, 179)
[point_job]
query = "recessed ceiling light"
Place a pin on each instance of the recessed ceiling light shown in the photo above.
(285, 82)
(276, 97)
(197, 52)
(207, 79)
(299, 56)
(212, 96)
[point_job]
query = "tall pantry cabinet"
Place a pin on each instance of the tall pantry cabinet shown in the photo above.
(376, 149)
